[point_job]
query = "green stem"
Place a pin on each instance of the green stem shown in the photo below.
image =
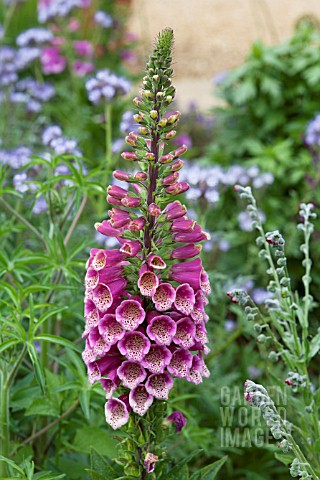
(4, 424)
(23, 220)
(108, 119)
(8, 17)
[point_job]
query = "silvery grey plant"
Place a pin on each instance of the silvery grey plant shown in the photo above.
(285, 327)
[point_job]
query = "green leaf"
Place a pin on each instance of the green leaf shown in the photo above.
(100, 467)
(44, 406)
(57, 340)
(210, 471)
(12, 465)
(94, 437)
(38, 371)
(314, 346)
(181, 468)
(286, 459)
(7, 344)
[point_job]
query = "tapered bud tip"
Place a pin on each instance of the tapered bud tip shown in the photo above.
(180, 151)
(169, 98)
(140, 176)
(143, 130)
(166, 158)
(122, 176)
(97, 225)
(137, 101)
(150, 156)
(131, 156)
(153, 114)
(170, 134)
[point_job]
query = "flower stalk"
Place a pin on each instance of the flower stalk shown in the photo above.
(145, 305)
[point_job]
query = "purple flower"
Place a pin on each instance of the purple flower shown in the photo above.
(103, 19)
(34, 36)
(134, 346)
(178, 419)
(157, 359)
(51, 60)
(81, 68)
(48, 9)
(312, 135)
(150, 461)
(164, 296)
(83, 48)
(159, 385)
(105, 86)
(161, 329)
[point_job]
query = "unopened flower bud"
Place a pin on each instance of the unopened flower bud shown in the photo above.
(273, 356)
(122, 176)
(177, 165)
(130, 140)
(138, 118)
(150, 156)
(140, 176)
(153, 114)
(180, 151)
(174, 117)
(177, 188)
(170, 134)
(160, 95)
(163, 122)
(166, 158)
(147, 93)
(155, 78)
(143, 130)
(154, 210)
(131, 156)
(169, 99)
(131, 202)
(170, 179)
(137, 101)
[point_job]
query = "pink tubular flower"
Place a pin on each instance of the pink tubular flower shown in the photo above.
(140, 400)
(187, 251)
(156, 262)
(177, 188)
(185, 299)
(159, 385)
(134, 346)
(162, 329)
(144, 306)
(175, 210)
(164, 296)
(116, 412)
(131, 374)
(148, 282)
(181, 363)
(130, 314)
(157, 358)
(154, 210)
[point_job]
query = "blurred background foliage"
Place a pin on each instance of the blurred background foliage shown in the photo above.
(51, 198)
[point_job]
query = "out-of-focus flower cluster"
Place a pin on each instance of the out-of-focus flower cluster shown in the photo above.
(312, 135)
(206, 182)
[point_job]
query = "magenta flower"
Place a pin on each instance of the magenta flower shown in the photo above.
(178, 419)
(130, 314)
(83, 48)
(81, 68)
(51, 60)
(164, 296)
(145, 300)
(140, 400)
(117, 414)
(131, 374)
(162, 329)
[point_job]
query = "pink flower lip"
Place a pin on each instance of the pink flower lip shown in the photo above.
(130, 314)
(148, 283)
(161, 329)
(140, 400)
(156, 262)
(164, 296)
(185, 299)
(134, 345)
(116, 412)
(159, 385)
(131, 374)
